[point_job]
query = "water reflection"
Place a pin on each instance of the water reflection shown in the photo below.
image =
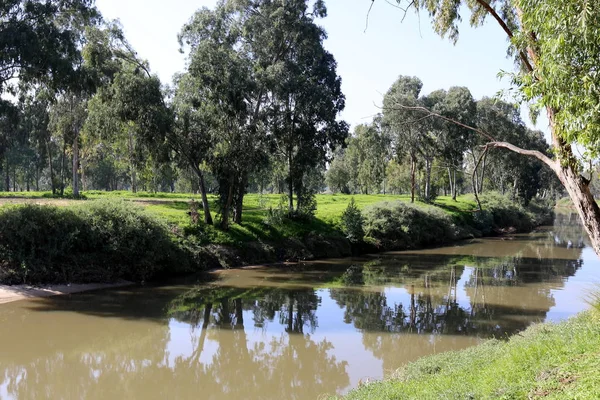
(296, 332)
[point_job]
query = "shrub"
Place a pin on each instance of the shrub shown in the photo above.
(398, 225)
(102, 240)
(507, 213)
(352, 222)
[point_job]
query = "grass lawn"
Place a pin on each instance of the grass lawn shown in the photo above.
(549, 361)
(173, 207)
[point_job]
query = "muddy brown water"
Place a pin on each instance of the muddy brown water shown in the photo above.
(296, 332)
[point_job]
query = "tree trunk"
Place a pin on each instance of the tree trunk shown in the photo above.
(62, 169)
(475, 175)
(427, 179)
(132, 168)
(76, 165)
(413, 167)
(239, 201)
(290, 185)
(52, 181)
(207, 217)
(450, 182)
(7, 176)
(587, 208)
(454, 185)
(482, 173)
(226, 209)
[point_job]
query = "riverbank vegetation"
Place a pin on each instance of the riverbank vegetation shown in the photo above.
(550, 361)
(145, 237)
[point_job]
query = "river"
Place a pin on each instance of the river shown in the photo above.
(297, 331)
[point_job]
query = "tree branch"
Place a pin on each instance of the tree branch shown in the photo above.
(433, 114)
(531, 153)
(509, 33)
(493, 143)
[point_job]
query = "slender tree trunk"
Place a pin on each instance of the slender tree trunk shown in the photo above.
(227, 208)
(7, 176)
(427, 178)
(76, 165)
(450, 182)
(454, 187)
(239, 205)
(205, 206)
(475, 175)
(62, 169)
(413, 167)
(52, 180)
(482, 173)
(132, 168)
(83, 176)
(290, 184)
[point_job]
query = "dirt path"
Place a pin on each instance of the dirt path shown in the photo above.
(22, 292)
(41, 201)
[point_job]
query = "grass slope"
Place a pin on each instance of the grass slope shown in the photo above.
(549, 361)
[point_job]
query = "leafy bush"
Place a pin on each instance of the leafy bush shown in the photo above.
(398, 225)
(99, 241)
(352, 222)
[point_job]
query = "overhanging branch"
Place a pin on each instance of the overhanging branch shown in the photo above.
(492, 143)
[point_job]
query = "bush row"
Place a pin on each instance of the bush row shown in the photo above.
(400, 225)
(98, 241)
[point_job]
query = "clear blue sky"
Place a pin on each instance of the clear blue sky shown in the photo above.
(368, 62)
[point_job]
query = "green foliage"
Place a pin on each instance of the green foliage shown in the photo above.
(397, 225)
(39, 40)
(504, 213)
(97, 241)
(566, 70)
(352, 222)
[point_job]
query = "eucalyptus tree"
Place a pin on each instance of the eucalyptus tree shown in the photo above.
(458, 105)
(190, 136)
(264, 74)
(67, 117)
(39, 40)
(405, 125)
(219, 61)
(129, 105)
(554, 44)
(299, 79)
(366, 158)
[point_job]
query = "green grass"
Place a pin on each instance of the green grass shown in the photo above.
(550, 361)
(173, 208)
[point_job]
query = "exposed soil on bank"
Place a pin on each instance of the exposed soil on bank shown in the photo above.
(9, 294)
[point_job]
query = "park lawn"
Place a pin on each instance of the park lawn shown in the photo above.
(549, 361)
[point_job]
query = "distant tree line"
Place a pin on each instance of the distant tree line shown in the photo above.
(407, 149)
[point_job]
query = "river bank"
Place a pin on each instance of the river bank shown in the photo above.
(550, 361)
(109, 239)
(9, 294)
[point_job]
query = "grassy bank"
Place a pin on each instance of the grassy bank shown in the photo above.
(550, 361)
(141, 236)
